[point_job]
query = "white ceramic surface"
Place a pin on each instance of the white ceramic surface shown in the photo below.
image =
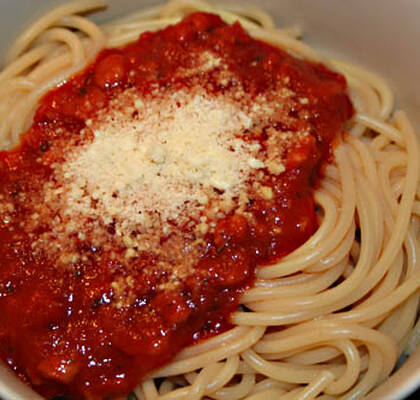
(382, 35)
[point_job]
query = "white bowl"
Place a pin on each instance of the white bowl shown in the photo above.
(382, 35)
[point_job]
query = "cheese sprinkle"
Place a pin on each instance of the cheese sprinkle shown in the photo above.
(169, 159)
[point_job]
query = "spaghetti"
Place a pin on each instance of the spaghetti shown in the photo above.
(331, 319)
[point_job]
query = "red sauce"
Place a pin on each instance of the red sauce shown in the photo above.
(58, 329)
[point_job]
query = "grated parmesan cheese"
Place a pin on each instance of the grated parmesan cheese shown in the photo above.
(168, 160)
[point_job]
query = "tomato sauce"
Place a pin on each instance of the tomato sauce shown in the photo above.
(58, 329)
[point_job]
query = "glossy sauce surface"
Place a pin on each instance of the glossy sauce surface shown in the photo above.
(59, 329)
